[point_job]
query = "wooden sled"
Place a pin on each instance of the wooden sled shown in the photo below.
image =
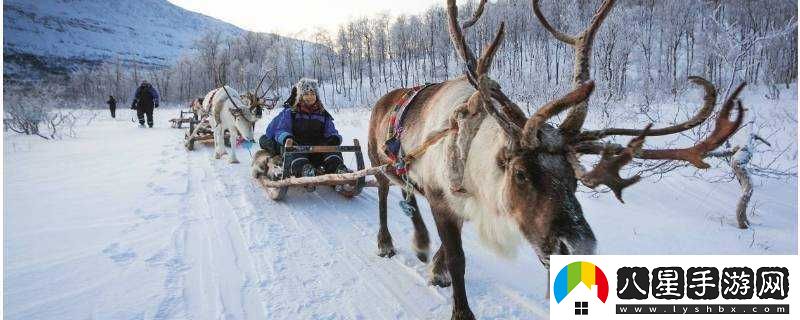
(201, 131)
(352, 183)
(183, 117)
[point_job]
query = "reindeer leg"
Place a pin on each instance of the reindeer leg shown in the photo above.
(449, 227)
(385, 246)
(233, 137)
(219, 145)
(421, 242)
(439, 275)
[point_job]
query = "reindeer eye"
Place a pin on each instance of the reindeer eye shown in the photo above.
(520, 177)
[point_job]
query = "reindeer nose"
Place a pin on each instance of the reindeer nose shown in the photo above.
(579, 246)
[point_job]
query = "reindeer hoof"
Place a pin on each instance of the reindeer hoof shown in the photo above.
(440, 280)
(217, 155)
(386, 252)
(234, 161)
(421, 245)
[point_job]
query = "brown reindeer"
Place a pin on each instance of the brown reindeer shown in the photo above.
(518, 175)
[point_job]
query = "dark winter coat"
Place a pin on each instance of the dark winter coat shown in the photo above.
(314, 128)
(145, 98)
(112, 103)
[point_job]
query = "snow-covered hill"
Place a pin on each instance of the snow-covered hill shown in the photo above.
(55, 36)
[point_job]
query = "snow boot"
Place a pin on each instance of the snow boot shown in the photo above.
(308, 171)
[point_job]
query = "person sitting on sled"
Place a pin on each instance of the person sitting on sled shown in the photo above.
(305, 121)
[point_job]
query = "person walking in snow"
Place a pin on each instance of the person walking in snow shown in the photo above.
(145, 99)
(305, 121)
(112, 106)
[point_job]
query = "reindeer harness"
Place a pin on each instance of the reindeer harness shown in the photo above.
(399, 160)
(392, 147)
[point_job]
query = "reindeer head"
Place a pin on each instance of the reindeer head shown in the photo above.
(256, 103)
(244, 118)
(539, 162)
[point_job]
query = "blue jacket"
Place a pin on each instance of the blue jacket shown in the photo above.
(145, 97)
(304, 128)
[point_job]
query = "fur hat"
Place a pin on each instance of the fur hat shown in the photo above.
(306, 85)
(303, 86)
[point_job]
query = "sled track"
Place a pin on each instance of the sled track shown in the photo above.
(312, 255)
(314, 245)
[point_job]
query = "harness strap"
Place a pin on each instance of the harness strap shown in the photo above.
(392, 146)
(431, 140)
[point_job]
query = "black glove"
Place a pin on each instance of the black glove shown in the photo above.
(333, 141)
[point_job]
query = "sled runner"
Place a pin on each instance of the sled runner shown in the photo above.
(274, 176)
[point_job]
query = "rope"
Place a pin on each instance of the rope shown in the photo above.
(346, 178)
(432, 139)
(405, 161)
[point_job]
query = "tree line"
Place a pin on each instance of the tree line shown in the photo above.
(645, 50)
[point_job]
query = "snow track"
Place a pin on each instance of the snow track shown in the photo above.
(146, 230)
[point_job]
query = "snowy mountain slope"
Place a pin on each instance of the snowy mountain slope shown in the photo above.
(54, 36)
(143, 229)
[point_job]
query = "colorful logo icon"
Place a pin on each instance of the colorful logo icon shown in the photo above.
(580, 272)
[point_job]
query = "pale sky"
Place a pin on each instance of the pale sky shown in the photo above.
(291, 17)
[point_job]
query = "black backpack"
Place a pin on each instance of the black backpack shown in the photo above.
(145, 98)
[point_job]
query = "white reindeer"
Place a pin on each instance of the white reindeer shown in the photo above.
(237, 114)
(231, 114)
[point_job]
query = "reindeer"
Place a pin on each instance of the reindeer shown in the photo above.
(228, 116)
(519, 174)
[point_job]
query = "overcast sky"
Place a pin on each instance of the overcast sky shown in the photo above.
(289, 17)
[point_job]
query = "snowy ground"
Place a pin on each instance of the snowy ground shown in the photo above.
(123, 223)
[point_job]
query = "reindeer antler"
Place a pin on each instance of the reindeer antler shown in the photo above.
(701, 116)
(552, 108)
(226, 92)
(582, 44)
(614, 156)
(272, 82)
(260, 82)
(477, 71)
(724, 128)
(611, 161)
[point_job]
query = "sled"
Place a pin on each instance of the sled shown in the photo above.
(201, 131)
(183, 117)
(351, 184)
